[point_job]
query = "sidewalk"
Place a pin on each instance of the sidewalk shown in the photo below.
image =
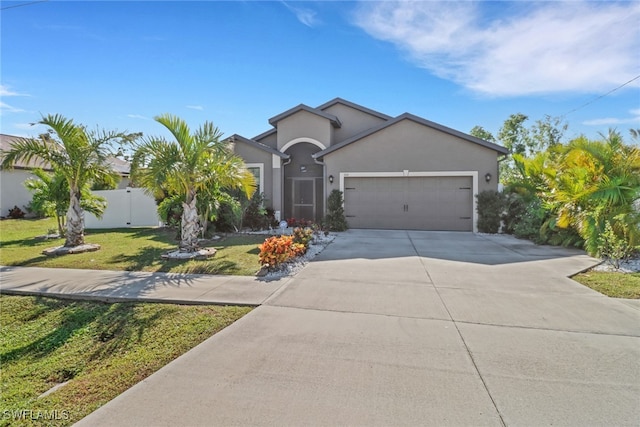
(116, 286)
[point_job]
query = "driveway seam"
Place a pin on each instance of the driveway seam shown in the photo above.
(572, 331)
(473, 361)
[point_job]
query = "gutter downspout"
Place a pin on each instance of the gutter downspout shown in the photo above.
(324, 186)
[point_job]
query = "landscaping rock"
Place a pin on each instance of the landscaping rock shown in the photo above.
(178, 254)
(63, 250)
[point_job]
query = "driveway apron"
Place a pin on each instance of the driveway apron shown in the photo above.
(410, 328)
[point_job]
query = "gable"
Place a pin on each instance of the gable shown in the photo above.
(420, 121)
(354, 120)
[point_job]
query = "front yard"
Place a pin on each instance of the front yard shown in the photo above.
(96, 350)
(128, 249)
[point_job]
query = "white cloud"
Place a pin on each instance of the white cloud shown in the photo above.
(6, 108)
(635, 118)
(137, 116)
(195, 107)
(529, 48)
(6, 91)
(306, 16)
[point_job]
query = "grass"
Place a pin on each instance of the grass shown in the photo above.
(129, 249)
(101, 349)
(616, 285)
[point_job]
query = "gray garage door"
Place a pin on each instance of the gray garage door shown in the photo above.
(413, 203)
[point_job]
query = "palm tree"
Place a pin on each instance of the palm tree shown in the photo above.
(75, 153)
(598, 182)
(194, 164)
(51, 197)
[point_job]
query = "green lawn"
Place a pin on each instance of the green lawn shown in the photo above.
(130, 249)
(100, 349)
(617, 285)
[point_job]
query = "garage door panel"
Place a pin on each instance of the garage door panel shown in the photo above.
(424, 203)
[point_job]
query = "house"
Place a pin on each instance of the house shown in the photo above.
(12, 189)
(401, 172)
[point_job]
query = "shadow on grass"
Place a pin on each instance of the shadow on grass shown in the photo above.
(144, 257)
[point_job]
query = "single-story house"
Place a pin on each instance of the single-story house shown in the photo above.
(401, 172)
(12, 189)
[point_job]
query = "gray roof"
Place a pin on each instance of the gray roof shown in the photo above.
(419, 120)
(333, 119)
(259, 145)
(6, 143)
(354, 106)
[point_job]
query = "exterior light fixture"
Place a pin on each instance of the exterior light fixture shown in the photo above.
(330, 179)
(303, 168)
(487, 177)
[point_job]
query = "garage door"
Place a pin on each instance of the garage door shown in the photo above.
(413, 203)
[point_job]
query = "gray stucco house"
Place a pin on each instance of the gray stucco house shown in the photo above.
(401, 172)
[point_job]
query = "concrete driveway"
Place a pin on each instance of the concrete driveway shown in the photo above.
(410, 328)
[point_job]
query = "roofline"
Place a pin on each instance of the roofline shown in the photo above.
(333, 119)
(256, 144)
(419, 120)
(355, 106)
(264, 134)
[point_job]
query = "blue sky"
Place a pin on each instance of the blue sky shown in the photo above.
(117, 64)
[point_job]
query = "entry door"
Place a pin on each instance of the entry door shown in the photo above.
(304, 198)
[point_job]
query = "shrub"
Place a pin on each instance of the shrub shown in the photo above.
(614, 248)
(16, 213)
(170, 211)
(303, 236)
(228, 216)
(335, 219)
(256, 216)
(277, 250)
(491, 205)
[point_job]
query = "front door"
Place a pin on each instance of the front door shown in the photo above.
(304, 197)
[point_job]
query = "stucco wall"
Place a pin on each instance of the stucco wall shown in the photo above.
(271, 140)
(12, 190)
(353, 121)
(304, 124)
(408, 145)
(252, 155)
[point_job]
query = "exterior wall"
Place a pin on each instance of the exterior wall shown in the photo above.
(252, 155)
(125, 208)
(304, 124)
(416, 148)
(12, 190)
(353, 121)
(270, 140)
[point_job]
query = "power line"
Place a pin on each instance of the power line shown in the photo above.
(23, 4)
(601, 96)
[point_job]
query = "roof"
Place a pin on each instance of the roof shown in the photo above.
(419, 120)
(259, 145)
(333, 119)
(6, 143)
(355, 106)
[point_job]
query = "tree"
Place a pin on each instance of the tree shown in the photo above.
(51, 197)
(76, 154)
(587, 184)
(482, 133)
(193, 164)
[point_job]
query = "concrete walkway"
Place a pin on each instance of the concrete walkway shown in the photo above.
(111, 286)
(409, 328)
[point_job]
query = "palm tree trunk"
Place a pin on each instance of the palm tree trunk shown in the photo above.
(75, 221)
(189, 224)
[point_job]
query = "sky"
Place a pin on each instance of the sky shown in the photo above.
(115, 65)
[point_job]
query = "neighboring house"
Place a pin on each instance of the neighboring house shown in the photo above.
(401, 172)
(12, 189)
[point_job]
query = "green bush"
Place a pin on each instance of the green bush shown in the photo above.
(335, 219)
(256, 216)
(614, 248)
(170, 211)
(491, 205)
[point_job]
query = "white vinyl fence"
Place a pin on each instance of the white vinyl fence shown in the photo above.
(131, 207)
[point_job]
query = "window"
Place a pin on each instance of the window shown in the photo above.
(257, 169)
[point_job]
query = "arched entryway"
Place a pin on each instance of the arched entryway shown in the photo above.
(303, 183)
